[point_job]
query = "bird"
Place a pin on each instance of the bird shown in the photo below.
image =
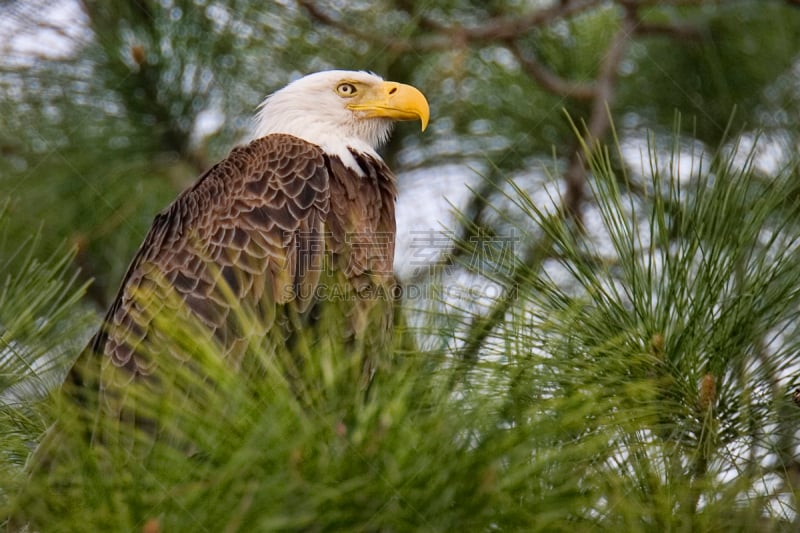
(295, 230)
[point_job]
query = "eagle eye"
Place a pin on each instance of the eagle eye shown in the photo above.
(346, 90)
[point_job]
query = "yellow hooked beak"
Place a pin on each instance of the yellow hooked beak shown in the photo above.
(393, 100)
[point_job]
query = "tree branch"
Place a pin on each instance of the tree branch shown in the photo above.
(513, 27)
(679, 31)
(599, 118)
(575, 179)
(501, 28)
(549, 80)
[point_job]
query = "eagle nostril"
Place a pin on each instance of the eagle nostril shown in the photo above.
(393, 90)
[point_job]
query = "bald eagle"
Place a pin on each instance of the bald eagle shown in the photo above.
(296, 226)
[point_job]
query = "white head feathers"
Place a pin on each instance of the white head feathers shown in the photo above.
(311, 108)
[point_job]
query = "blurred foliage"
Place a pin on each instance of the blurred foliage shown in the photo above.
(42, 327)
(634, 372)
(722, 69)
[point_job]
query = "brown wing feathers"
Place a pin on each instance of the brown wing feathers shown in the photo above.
(254, 229)
(361, 233)
(232, 232)
(362, 224)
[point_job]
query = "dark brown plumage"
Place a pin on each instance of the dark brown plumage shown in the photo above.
(263, 226)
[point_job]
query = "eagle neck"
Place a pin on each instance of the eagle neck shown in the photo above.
(350, 153)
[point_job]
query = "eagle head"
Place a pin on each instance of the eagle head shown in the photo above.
(341, 110)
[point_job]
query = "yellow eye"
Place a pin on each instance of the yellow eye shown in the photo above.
(346, 89)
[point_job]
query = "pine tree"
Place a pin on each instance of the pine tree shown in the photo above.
(606, 330)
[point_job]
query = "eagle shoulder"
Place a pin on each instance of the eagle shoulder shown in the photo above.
(246, 231)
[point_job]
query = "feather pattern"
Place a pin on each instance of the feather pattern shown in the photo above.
(258, 230)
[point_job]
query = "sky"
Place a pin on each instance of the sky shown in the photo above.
(51, 32)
